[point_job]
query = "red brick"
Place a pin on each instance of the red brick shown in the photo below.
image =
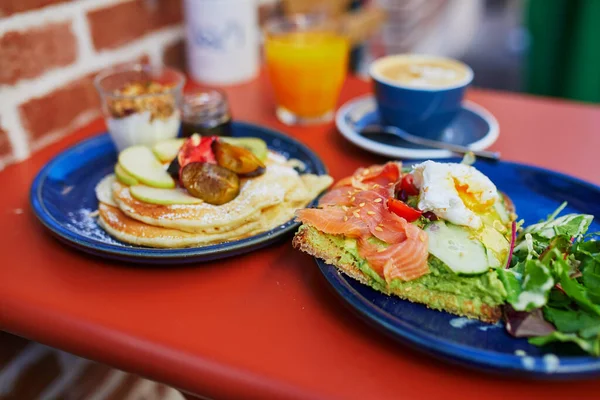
(8, 7)
(5, 149)
(58, 109)
(174, 55)
(121, 23)
(30, 53)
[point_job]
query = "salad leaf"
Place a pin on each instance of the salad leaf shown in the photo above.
(526, 324)
(590, 248)
(570, 225)
(572, 288)
(557, 212)
(591, 346)
(573, 321)
(591, 280)
(588, 253)
(528, 283)
(558, 299)
(553, 283)
(527, 247)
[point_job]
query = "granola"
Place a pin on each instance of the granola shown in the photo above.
(153, 97)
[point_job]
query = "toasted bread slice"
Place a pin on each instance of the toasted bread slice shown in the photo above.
(320, 245)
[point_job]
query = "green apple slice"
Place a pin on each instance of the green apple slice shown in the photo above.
(124, 177)
(104, 190)
(152, 195)
(139, 162)
(166, 150)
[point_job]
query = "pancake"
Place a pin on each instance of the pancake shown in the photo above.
(315, 184)
(255, 194)
(264, 202)
(129, 230)
(104, 190)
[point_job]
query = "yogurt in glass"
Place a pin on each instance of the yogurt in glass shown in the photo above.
(141, 103)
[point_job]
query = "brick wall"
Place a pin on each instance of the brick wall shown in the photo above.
(50, 51)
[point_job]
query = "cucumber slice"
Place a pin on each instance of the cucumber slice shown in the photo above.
(456, 247)
(141, 163)
(255, 145)
(166, 150)
(124, 177)
(152, 195)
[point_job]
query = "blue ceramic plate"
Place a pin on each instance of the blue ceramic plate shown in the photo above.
(474, 127)
(62, 196)
(536, 193)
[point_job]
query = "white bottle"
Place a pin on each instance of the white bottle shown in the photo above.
(222, 39)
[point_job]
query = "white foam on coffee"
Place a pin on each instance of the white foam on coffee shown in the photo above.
(426, 73)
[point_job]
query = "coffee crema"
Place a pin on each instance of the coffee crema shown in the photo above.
(420, 72)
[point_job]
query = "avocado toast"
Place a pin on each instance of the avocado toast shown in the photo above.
(435, 234)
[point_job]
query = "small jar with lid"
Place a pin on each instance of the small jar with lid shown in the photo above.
(207, 113)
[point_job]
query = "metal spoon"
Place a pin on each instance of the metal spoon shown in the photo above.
(375, 130)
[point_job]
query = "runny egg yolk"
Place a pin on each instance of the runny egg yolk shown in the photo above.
(471, 199)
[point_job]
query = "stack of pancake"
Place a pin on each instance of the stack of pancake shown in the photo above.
(264, 202)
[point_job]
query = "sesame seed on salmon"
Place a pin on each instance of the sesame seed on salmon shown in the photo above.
(356, 208)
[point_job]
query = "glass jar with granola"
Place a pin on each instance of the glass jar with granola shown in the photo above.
(141, 103)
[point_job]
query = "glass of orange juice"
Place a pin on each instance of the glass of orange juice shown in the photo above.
(307, 61)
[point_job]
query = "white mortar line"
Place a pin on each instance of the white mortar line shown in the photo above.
(11, 97)
(80, 120)
(88, 61)
(54, 13)
(155, 53)
(31, 88)
(81, 30)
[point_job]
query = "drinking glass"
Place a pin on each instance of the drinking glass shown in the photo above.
(148, 111)
(307, 59)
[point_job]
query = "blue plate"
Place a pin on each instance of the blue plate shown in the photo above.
(63, 196)
(474, 127)
(536, 192)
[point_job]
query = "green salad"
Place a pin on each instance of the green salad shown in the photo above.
(553, 283)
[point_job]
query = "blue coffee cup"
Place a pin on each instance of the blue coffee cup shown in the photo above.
(418, 106)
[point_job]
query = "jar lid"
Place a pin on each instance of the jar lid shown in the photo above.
(205, 105)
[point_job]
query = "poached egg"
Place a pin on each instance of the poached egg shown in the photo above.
(454, 192)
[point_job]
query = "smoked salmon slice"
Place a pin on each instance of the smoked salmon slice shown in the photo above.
(356, 208)
(405, 260)
(334, 221)
(381, 175)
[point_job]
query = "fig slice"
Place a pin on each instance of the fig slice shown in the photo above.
(237, 159)
(210, 182)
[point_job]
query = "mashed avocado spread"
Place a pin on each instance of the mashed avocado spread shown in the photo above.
(483, 288)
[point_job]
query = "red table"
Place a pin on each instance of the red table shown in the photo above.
(265, 324)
